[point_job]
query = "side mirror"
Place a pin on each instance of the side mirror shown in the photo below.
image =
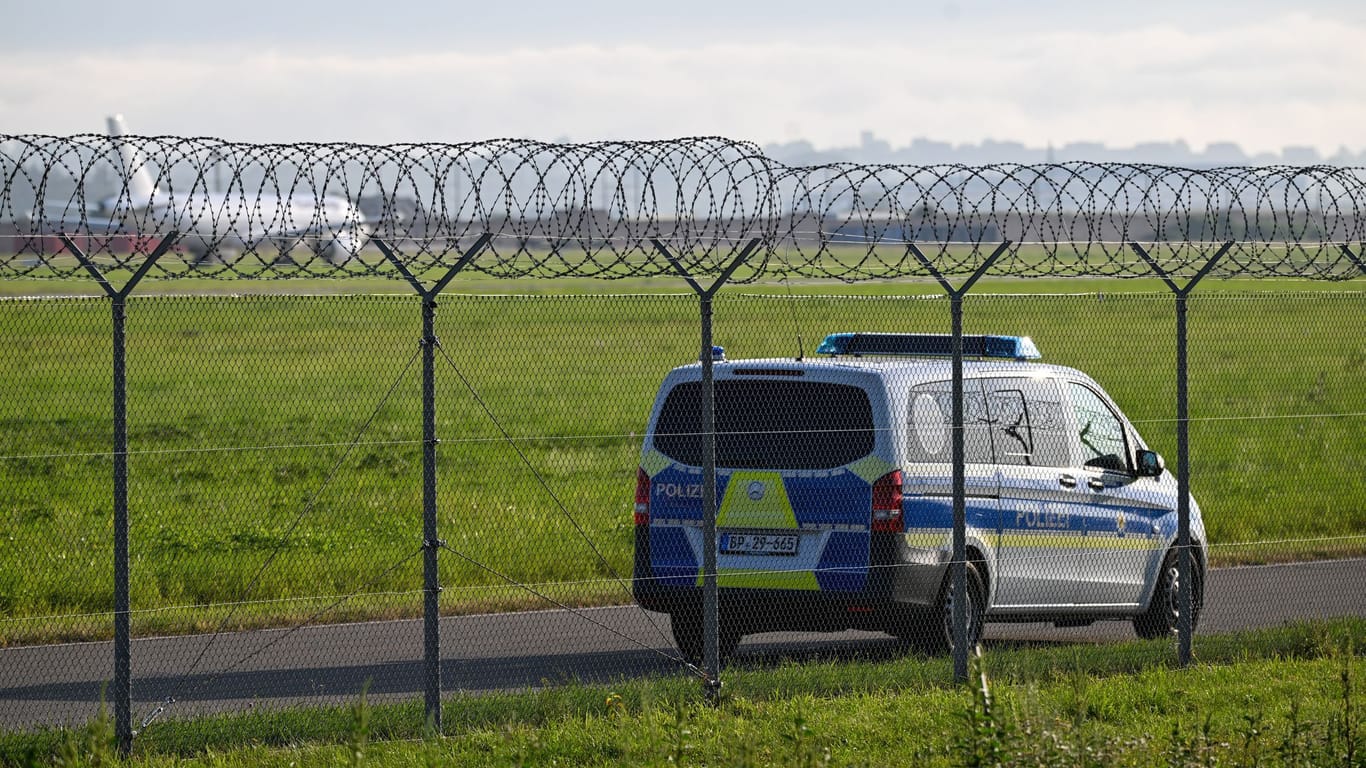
(1150, 464)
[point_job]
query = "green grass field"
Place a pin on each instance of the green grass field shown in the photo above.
(1289, 697)
(243, 410)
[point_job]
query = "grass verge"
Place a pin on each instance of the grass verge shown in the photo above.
(1286, 696)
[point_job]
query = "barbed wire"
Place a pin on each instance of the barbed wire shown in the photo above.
(272, 211)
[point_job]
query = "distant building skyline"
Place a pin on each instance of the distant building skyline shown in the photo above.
(928, 151)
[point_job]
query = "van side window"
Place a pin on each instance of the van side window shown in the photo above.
(1100, 433)
(1026, 422)
(931, 419)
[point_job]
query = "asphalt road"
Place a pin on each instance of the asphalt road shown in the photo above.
(61, 684)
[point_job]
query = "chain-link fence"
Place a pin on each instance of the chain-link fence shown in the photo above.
(222, 503)
(276, 510)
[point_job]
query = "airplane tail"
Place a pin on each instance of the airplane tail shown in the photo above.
(140, 188)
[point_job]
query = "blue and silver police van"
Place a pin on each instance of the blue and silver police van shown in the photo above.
(834, 496)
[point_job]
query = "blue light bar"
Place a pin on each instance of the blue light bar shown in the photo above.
(928, 345)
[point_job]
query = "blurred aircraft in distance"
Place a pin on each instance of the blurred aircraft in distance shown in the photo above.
(332, 227)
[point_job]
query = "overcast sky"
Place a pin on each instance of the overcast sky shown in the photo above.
(1262, 74)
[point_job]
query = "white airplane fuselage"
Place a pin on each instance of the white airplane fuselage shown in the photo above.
(209, 222)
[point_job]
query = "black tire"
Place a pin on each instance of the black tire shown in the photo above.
(931, 630)
(687, 632)
(1163, 615)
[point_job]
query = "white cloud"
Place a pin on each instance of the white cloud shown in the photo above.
(1291, 80)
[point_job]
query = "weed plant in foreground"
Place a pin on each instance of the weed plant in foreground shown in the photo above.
(1287, 697)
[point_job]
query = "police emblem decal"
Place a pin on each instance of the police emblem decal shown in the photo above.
(756, 490)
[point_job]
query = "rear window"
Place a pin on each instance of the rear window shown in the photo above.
(769, 424)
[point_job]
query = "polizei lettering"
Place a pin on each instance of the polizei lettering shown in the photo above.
(1036, 518)
(679, 490)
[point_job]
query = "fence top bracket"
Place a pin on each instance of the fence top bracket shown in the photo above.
(119, 294)
(1182, 291)
(440, 285)
(1355, 259)
(961, 291)
(710, 292)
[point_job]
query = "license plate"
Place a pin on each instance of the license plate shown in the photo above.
(759, 544)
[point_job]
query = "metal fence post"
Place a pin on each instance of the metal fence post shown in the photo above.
(1355, 259)
(958, 564)
(1185, 628)
(431, 543)
(711, 647)
(123, 643)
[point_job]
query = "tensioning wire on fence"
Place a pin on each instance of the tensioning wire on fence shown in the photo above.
(512, 439)
(536, 588)
(592, 210)
(276, 640)
(540, 480)
(294, 524)
(531, 589)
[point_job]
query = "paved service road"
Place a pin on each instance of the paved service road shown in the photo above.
(61, 684)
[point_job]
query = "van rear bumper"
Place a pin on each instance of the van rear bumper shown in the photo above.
(900, 578)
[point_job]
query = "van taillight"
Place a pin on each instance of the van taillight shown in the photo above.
(642, 498)
(887, 503)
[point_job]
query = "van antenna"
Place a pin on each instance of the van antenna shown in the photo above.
(796, 329)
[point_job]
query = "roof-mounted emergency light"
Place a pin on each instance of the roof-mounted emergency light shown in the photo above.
(928, 345)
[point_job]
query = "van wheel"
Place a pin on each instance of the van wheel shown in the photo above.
(687, 632)
(1164, 611)
(931, 631)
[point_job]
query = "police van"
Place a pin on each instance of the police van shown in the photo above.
(835, 505)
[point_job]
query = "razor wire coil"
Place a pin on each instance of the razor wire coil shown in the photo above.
(277, 211)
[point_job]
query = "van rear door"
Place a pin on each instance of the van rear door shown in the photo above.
(797, 453)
